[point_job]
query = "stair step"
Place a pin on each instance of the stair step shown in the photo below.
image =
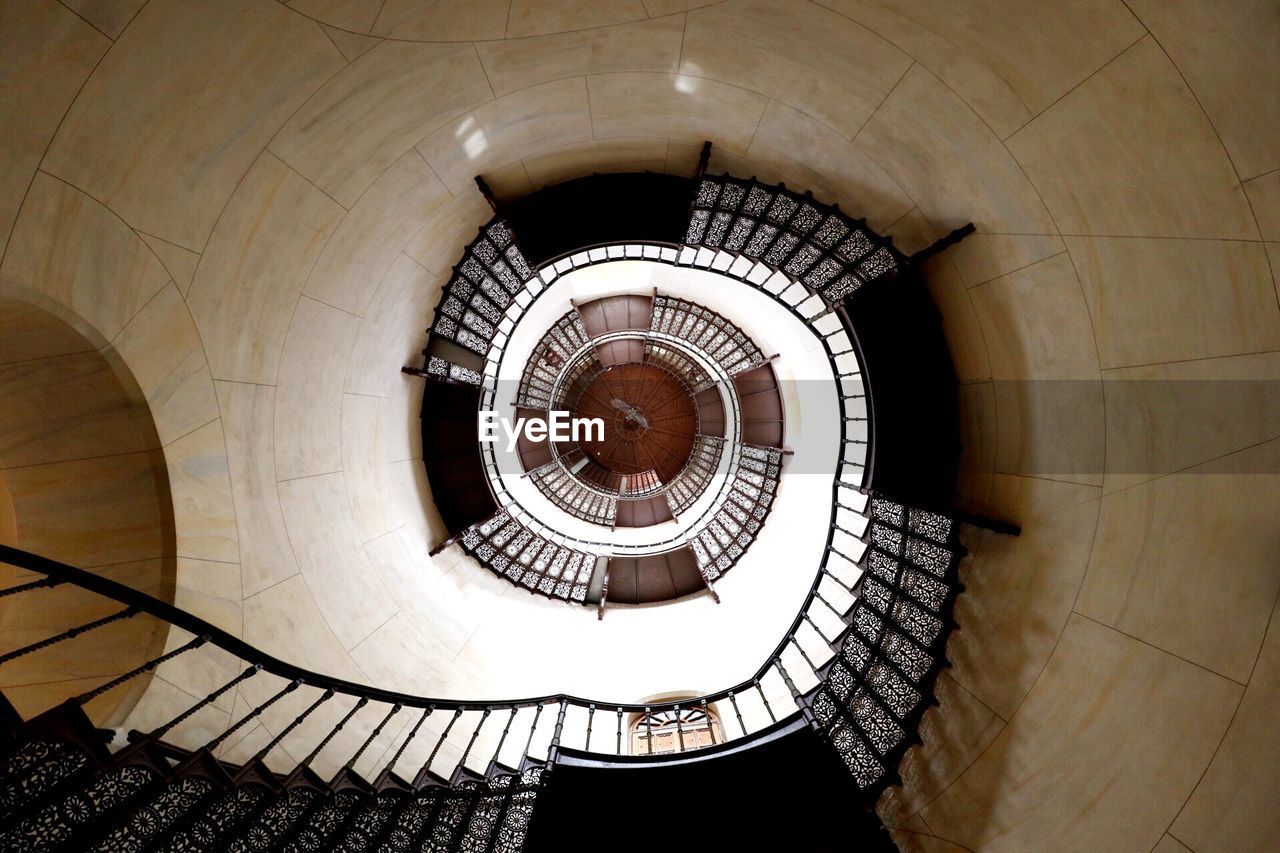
(11, 727)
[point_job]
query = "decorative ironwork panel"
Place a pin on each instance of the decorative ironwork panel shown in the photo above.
(491, 272)
(60, 823)
(830, 253)
(223, 818)
(506, 547)
(161, 814)
(37, 769)
(275, 823)
(871, 698)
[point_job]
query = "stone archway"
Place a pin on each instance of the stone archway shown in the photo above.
(82, 480)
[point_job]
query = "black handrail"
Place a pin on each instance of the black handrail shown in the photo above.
(193, 624)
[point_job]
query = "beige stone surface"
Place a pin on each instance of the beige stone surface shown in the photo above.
(1169, 844)
(369, 114)
(1019, 592)
(1216, 47)
(68, 407)
(802, 152)
(1105, 169)
(815, 60)
(1019, 310)
(682, 107)
(1037, 330)
(955, 169)
(309, 272)
(442, 20)
(532, 17)
(364, 456)
(668, 7)
(354, 15)
(65, 245)
(257, 261)
(266, 556)
(308, 415)
(1231, 808)
(609, 155)
(1007, 60)
(394, 329)
(957, 731)
(164, 353)
(114, 515)
(174, 180)
(1264, 198)
(338, 575)
(1121, 770)
(165, 702)
(542, 117)
(1164, 418)
(959, 322)
(203, 509)
(180, 263)
(350, 45)
(982, 257)
(436, 243)
(108, 16)
(366, 242)
(46, 53)
(1149, 576)
(517, 63)
(284, 620)
(29, 333)
(1168, 300)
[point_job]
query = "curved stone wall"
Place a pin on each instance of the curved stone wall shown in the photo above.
(82, 480)
(260, 201)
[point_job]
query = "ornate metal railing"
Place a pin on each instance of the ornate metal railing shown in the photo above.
(859, 661)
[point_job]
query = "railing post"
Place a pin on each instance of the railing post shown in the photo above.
(90, 695)
(156, 734)
(487, 193)
(765, 699)
(297, 721)
(377, 730)
(704, 159)
(332, 732)
(391, 765)
(425, 773)
(733, 700)
(252, 715)
(559, 730)
(528, 744)
(70, 633)
(502, 739)
(940, 245)
(462, 762)
(27, 587)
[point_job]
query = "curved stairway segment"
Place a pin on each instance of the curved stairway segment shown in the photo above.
(858, 664)
(383, 770)
(648, 349)
(765, 237)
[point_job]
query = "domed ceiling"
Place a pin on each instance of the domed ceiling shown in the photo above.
(256, 205)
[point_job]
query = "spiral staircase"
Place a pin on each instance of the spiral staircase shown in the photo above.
(847, 684)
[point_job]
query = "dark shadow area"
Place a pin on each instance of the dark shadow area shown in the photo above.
(785, 784)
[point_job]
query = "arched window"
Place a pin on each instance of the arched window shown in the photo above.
(668, 731)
